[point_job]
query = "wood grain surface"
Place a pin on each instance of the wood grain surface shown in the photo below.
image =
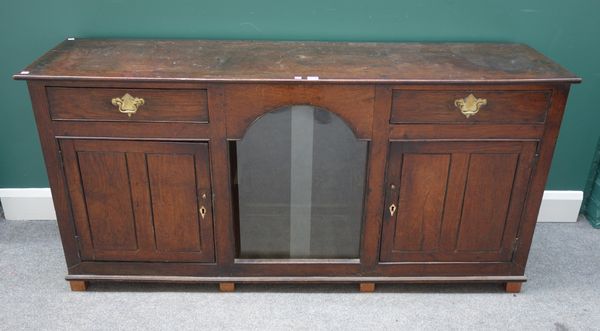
(254, 61)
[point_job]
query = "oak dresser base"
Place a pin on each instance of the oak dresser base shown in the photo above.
(224, 162)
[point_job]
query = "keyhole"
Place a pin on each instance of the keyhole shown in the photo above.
(202, 211)
(392, 209)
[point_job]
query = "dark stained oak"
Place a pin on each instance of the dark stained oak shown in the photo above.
(253, 61)
(149, 197)
(465, 131)
(435, 106)
(486, 201)
(374, 203)
(140, 200)
(104, 180)
(95, 104)
(454, 201)
(175, 202)
(498, 271)
(353, 103)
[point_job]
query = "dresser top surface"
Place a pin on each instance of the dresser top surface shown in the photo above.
(280, 61)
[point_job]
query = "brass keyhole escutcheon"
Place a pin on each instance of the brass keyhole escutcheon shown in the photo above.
(392, 209)
(470, 105)
(203, 211)
(128, 104)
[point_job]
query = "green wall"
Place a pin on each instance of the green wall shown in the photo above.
(566, 31)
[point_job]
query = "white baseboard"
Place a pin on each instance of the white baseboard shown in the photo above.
(560, 206)
(36, 204)
(27, 204)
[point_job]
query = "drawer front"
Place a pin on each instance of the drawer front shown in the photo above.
(131, 105)
(469, 106)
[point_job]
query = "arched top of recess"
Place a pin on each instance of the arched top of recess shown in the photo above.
(283, 119)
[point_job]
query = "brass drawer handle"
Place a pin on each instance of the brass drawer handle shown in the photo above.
(128, 104)
(470, 105)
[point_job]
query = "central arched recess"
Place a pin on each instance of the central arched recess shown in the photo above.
(298, 183)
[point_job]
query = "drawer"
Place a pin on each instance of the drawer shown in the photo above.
(130, 105)
(469, 106)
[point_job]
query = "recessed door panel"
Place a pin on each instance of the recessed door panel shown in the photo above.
(487, 197)
(104, 179)
(424, 190)
(174, 202)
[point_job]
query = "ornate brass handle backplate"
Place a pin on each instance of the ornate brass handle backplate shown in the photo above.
(128, 104)
(470, 105)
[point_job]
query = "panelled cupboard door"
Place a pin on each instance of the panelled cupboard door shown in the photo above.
(454, 201)
(140, 201)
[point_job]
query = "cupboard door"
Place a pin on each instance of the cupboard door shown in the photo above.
(140, 201)
(454, 201)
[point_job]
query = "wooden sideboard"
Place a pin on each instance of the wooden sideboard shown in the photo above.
(249, 161)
